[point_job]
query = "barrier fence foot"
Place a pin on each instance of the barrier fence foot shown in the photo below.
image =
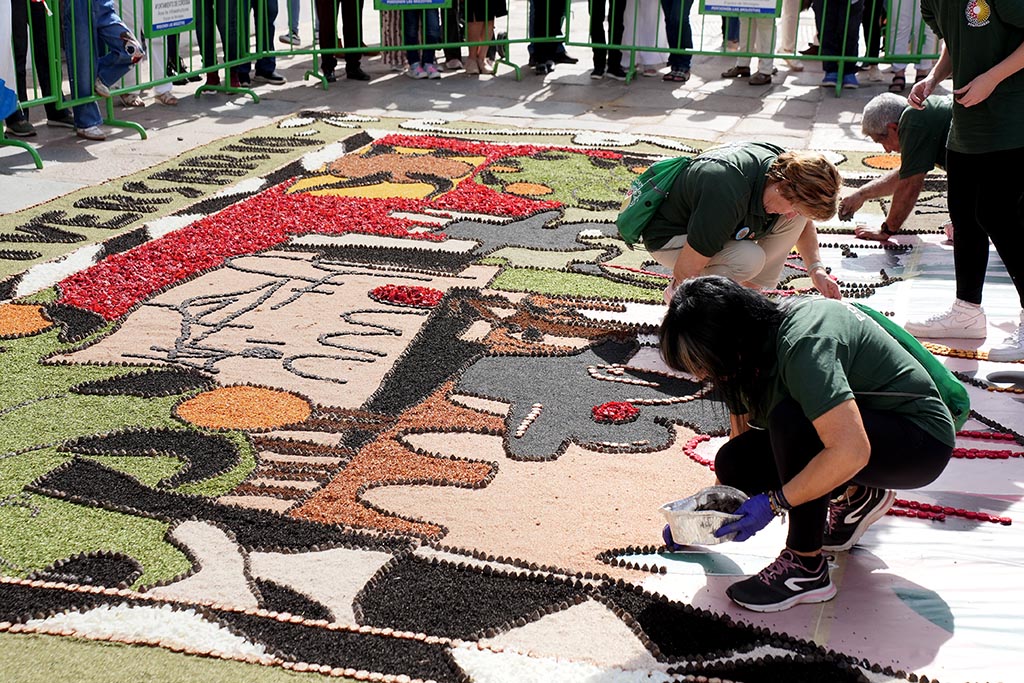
(227, 89)
(7, 142)
(317, 75)
(116, 123)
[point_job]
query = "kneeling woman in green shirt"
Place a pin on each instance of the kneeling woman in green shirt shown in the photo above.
(846, 415)
(738, 210)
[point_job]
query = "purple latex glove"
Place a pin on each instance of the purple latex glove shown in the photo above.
(755, 514)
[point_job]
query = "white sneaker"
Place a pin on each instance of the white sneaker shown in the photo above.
(1012, 347)
(962, 321)
(431, 70)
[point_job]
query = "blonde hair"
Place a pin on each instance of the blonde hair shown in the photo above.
(809, 181)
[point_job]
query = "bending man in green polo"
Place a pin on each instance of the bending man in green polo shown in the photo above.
(738, 210)
(919, 135)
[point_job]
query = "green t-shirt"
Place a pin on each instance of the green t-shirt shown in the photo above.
(827, 352)
(979, 34)
(923, 134)
(717, 198)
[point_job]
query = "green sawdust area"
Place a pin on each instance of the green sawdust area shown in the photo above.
(557, 283)
(33, 658)
(576, 180)
(37, 414)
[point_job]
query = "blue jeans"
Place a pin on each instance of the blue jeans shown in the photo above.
(678, 32)
(91, 25)
(411, 34)
(294, 7)
(264, 38)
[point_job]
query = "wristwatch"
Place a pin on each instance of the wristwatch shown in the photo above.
(887, 230)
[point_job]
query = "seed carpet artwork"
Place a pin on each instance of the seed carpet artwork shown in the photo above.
(378, 399)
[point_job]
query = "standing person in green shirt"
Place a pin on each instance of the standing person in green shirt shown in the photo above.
(984, 53)
(919, 136)
(738, 210)
(846, 415)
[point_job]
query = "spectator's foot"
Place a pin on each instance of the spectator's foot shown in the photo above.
(794, 65)
(356, 74)
(850, 82)
(21, 128)
(830, 80)
(962, 321)
(873, 74)
(677, 76)
(486, 66)
(760, 79)
(1012, 348)
(617, 73)
(63, 119)
(416, 71)
(130, 99)
(241, 80)
(732, 46)
(649, 71)
(166, 98)
(330, 76)
(564, 58)
(213, 78)
(432, 72)
(737, 72)
(811, 50)
(91, 133)
(272, 78)
(290, 38)
(472, 67)
(100, 88)
(899, 83)
(544, 68)
(453, 64)
(598, 73)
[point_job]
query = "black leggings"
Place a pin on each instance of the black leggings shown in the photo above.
(986, 201)
(903, 456)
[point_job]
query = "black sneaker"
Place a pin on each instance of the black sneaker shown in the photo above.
(597, 74)
(784, 583)
(273, 78)
(850, 515)
(616, 72)
(564, 58)
(21, 128)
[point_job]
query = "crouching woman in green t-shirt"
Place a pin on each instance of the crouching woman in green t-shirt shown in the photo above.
(738, 210)
(846, 415)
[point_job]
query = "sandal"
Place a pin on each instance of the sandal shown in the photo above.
(676, 76)
(130, 99)
(899, 83)
(166, 98)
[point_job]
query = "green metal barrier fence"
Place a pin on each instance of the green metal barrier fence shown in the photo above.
(229, 35)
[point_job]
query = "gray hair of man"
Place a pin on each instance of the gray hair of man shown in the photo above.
(880, 112)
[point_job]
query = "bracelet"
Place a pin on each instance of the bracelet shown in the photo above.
(778, 503)
(814, 266)
(888, 231)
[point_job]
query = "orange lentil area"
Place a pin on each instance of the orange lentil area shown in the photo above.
(244, 407)
(528, 189)
(883, 162)
(388, 461)
(17, 320)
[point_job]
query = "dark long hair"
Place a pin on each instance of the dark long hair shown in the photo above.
(719, 330)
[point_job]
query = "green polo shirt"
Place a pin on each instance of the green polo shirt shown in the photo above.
(827, 352)
(717, 198)
(923, 134)
(979, 34)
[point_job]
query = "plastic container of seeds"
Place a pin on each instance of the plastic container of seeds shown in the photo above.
(694, 520)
